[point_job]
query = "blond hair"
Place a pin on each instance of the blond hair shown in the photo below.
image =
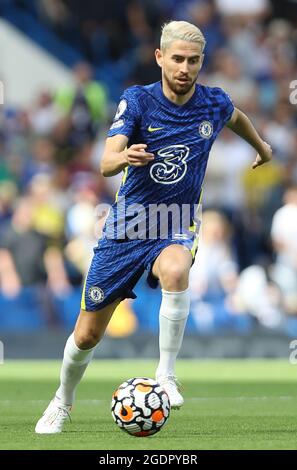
(181, 30)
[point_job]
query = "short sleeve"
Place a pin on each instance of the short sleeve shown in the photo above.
(127, 114)
(227, 107)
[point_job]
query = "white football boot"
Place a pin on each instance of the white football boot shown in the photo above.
(53, 419)
(171, 386)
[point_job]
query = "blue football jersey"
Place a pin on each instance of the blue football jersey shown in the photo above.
(180, 137)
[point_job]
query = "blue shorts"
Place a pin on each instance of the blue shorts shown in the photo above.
(117, 266)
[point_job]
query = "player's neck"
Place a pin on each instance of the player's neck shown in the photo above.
(174, 98)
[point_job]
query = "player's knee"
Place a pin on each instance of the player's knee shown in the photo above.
(87, 339)
(174, 277)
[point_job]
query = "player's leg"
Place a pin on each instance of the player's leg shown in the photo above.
(78, 353)
(89, 329)
(113, 273)
(172, 269)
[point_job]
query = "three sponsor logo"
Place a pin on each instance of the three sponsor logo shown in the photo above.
(173, 166)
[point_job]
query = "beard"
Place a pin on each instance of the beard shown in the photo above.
(180, 89)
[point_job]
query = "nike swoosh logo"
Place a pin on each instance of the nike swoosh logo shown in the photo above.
(153, 129)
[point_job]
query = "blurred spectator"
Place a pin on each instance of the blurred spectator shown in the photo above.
(259, 185)
(42, 161)
(213, 276)
(47, 217)
(204, 14)
(25, 259)
(140, 31)
(80, 220)
(85, 106)
(258, 296)
(284, 237)
(229, 76)
(215, 272)
(279, 130)
(45, 116)
(249, 10)
(147, 70)
(8, 194)
(230, 156)
(55, 13)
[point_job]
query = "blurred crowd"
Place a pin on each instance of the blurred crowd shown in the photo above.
(50, 153)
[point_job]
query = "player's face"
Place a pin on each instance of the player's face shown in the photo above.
(180, 64)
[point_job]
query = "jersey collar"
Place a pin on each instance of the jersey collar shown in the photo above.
(194, 98)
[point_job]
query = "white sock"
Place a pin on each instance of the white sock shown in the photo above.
(173, 316)
(74, 364)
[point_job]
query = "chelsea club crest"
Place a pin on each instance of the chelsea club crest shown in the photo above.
(205, 129)
(96, 294)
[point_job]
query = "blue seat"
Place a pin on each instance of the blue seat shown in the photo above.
(67, 308)
(23, 312)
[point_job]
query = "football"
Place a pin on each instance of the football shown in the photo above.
(140, 406)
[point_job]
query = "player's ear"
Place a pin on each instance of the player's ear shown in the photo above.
(159, 57)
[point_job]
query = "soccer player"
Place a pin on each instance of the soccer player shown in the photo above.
(161, 137)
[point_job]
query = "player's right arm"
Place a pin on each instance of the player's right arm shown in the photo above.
(242, 126)
(116, 155)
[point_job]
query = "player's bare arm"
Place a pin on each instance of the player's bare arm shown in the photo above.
(242, 126)
(117, 155)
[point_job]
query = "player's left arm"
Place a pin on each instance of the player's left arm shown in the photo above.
(242, 126)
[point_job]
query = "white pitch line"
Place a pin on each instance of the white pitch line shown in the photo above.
(42, 402)
(284, 397)
(195, 399)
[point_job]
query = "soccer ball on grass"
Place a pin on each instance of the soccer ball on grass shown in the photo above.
(140, 406)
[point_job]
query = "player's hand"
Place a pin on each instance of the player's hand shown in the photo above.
(263, 157)
(137, 156)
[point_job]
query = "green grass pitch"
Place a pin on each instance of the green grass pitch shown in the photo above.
(229, 404)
